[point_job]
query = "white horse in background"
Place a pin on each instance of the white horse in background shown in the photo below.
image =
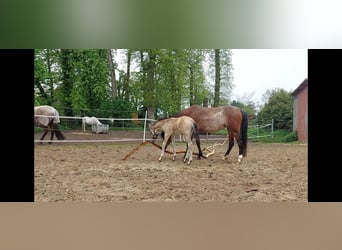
(89, 121)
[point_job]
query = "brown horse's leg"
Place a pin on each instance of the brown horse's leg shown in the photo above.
(168, 143)
(230, 144)
(198, 142)
(200, 153)
(241, 149)
(239, 141)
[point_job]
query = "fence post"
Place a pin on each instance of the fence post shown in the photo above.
(257, 130)
(272, 129)
(145, 126)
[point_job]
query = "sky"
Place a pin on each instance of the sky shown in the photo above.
(258, 70)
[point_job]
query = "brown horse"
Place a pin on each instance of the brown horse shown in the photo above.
(170, 127)
(47, 118)
(217, 118)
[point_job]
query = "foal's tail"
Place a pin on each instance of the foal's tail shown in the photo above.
(243, 132)
(58, 133)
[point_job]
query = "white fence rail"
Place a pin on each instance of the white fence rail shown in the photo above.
(257, 129)
(111, 121)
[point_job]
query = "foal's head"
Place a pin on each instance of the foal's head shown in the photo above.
(154, 131)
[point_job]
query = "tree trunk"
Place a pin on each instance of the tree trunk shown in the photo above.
(128, 72)
(48, 62)
(191, 86)
(150, 98)
(217, 78)
(66, 55)
(112, 72)
(150, 112)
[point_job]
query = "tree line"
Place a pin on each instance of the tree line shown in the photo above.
(89, 82)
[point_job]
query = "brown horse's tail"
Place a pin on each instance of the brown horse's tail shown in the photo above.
(243, 132)
(58, 133)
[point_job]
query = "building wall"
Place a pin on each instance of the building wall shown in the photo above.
(301, 117)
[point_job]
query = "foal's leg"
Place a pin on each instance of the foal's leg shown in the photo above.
(174, 148)
(189, 152)
(188, 155)
(186, 152)
(185, 156)
(163, 147)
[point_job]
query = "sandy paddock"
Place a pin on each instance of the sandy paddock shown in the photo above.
(96, 171)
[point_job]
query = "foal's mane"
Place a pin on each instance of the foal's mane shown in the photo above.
(163, 118)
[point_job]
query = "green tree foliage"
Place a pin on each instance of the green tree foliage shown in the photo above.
(248, 107)
(171, 79)
(90, 81)
(279, 108)
(67, 79)
(194, 77)
(45, 76)
(78, 82)
(221, 73)
(40, 74)
(151, 60)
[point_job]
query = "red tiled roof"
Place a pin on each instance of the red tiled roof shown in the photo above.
(300, 87)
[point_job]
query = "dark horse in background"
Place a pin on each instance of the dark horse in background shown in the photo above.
(214, 119)
(47, 118)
